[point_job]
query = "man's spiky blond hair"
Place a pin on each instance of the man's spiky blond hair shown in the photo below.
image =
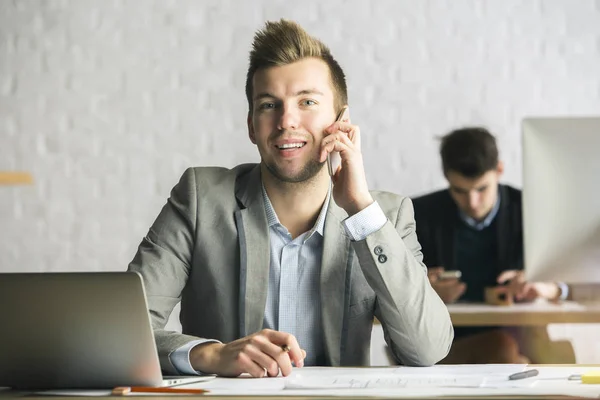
(284, 42)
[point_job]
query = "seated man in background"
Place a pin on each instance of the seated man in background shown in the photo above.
(475, 227)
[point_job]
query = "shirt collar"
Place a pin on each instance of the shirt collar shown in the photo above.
(487, 221)
(272, 218)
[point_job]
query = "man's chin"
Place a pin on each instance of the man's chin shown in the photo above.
(295, 176)
(476, 217)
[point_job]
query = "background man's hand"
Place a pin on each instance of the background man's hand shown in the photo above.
(449, 290)
(521, 290)
(257, 355)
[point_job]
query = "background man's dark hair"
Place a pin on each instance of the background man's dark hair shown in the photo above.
(470, 151)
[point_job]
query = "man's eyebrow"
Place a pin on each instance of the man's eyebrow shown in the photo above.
(309, 91)
(264, 95)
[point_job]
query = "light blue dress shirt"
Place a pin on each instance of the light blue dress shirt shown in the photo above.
(293, 299)
(293, 296)
(480, 225)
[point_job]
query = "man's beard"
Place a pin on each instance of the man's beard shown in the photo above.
(309, 171)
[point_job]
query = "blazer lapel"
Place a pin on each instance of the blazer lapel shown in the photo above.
(336, 247)
(254, 253)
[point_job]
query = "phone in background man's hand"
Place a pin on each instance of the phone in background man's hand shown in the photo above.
(450, 275)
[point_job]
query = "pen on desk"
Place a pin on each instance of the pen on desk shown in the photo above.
(524, 374)
(125, 390)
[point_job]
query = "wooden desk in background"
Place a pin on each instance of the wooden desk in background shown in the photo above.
(529, 323)
(525, 314)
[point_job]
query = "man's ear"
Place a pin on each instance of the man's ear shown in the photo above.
(251, 129)
(500, 168)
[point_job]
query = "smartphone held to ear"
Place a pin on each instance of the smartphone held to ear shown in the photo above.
(333, 158)
(450, 275)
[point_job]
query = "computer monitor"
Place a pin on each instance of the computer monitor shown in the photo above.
(561, 199)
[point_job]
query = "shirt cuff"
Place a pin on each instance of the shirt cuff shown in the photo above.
(180, 358)
(365, 222)
(564, 290)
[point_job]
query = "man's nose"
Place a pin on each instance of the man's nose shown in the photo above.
(473, 200)
(289, 119)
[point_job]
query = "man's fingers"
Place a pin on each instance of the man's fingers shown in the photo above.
(263, 360)
(284, 348)
(295, 355)
(330, 140)
(502, 289)
(433, 274)
(523, 291)
(460, 289)
(282, 357)
(350, 130)
(248, 365)
(435, 270)
(335, 142)
(507, 276)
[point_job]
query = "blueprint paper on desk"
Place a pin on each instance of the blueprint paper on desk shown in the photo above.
(466, 376)
(464, 369)
(403, 382)
(380, 382)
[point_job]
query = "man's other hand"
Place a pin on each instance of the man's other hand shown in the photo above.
(261, 354)
(521, 290)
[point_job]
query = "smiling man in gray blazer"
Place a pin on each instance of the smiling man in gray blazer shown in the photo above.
(278, 263)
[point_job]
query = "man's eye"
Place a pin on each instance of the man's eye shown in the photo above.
(308, 102)
(266, 106)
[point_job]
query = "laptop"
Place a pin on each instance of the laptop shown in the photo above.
(87, 330)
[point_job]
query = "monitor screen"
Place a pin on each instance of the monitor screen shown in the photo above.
(561, 199)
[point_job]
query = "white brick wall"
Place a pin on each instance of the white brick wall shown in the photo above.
(106, 102)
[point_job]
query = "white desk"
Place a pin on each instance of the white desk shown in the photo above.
(553, 384)
(526, 314)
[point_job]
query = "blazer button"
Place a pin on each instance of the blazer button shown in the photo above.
(382, 258)
(378, 250)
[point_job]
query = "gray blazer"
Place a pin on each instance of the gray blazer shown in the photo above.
(209, 249)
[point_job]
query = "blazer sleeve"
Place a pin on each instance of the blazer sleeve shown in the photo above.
(163, 259)
(416, 322)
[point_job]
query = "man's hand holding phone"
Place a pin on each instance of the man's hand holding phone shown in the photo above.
(333, 158)
(350, 189)
(447, 284)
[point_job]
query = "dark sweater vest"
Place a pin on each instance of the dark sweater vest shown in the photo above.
(476, 257)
